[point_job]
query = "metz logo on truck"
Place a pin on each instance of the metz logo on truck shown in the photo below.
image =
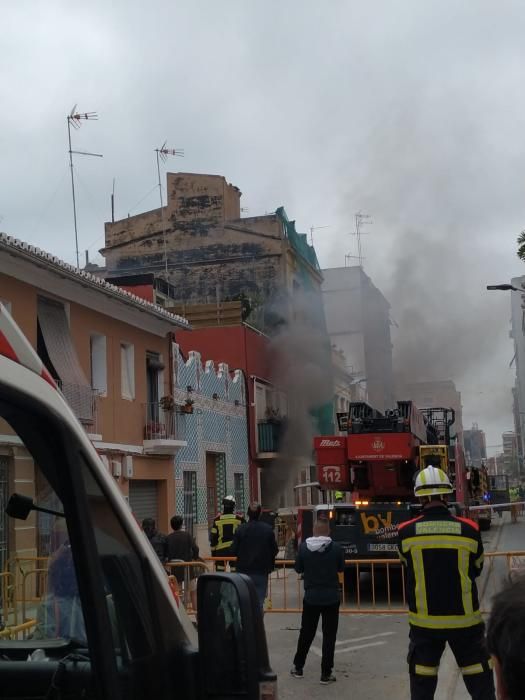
(330, 443)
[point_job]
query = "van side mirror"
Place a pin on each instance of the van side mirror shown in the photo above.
(233, 655)
(20, 507)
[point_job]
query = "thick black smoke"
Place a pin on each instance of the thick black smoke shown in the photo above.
(302, 369)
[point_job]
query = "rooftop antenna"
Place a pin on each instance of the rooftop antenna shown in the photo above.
(162, 155)
(315, 228)
(113, 203)
(360, 221)
(75, 119)
(350, 257)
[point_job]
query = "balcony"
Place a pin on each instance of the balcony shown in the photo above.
(164, 430)
(268, 439)
(85, 404)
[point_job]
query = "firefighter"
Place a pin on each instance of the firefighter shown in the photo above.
(443, 555)
(222, 532)
(339, 497)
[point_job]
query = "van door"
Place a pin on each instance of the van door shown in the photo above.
(89, 618)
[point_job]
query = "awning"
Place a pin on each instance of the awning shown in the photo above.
(55, 331)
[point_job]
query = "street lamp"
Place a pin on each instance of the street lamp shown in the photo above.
(504, 288)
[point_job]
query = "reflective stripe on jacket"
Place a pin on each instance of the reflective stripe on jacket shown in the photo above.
(443, 555)
(223, 530)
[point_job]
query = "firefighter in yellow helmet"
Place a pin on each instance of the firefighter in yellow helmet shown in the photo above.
(222, 532)
(443, 555)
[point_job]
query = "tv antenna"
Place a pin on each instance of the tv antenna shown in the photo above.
(315, 228)
(350, 257)
(162, 155)
(75, 119)
(360, 221)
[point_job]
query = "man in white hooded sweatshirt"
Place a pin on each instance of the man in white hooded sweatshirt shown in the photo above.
(320, 560)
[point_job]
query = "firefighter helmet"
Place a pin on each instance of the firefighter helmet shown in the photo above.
(432, 482)
(228, 499)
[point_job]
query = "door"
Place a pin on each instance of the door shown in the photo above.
(211, 487)
(215, 483)
(144, 499)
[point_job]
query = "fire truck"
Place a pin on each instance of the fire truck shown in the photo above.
(374, 466)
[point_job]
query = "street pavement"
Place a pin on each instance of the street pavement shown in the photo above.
(370, 661)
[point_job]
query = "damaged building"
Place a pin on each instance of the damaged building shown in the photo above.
(210, 257)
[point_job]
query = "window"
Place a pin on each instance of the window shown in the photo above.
(99, 372)
(238, 484)
(190, 500)
(57, 350)
(127, 371)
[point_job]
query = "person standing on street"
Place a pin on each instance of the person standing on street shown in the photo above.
(156, 538)
(443, 555)
(255, 547)
(320, 560)
(181, 546)
(222, 532)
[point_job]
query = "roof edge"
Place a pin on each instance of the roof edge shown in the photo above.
(36, 255)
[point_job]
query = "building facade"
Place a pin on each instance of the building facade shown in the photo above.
(510, 452)
(215, 461)
(109, 352)
(358, 322)
(200, 244)
(475, 446)
(210, 255)
(266, 404)
(517, 333)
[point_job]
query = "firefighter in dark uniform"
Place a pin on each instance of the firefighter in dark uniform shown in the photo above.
(222, 532)
(443, 555)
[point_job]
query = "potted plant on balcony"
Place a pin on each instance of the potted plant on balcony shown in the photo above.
(167, 403)
(187, 407)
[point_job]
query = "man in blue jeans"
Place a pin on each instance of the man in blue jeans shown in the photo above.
(320, 560)
(255, 547)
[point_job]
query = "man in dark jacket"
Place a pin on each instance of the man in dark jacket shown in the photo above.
(156, 538)
(255, 547)
(181, 546)
(320, 560)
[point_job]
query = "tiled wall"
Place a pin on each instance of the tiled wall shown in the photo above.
(217, 425)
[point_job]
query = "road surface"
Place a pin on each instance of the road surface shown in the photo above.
(370, 661)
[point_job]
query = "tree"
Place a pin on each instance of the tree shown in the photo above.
(521, 246)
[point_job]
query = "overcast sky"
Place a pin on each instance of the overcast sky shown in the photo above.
(411, 111)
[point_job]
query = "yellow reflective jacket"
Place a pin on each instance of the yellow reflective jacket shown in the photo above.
(442, 555)
(222, 532)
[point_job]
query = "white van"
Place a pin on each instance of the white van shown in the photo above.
(108, 626)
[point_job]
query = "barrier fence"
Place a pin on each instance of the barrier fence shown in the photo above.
(373, 586)
(377, 586)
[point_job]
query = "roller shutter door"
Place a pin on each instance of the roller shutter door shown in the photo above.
(143, 499)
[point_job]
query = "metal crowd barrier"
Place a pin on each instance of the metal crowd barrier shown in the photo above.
(192, 569)
(369, 586)
(376, 586)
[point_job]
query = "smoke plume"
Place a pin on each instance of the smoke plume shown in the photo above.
(302, 369)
